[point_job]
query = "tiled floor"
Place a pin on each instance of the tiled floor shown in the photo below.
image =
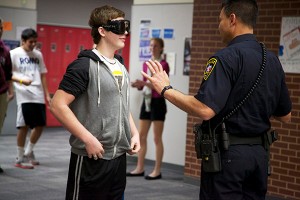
(48, 180)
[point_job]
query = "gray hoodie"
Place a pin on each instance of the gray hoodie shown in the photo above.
(100, 106)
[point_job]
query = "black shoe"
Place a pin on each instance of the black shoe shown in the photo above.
(153, 178)
(131, 174)
(1, 170)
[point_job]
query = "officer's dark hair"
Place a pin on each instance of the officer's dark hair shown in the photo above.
(245, 10)
(28, 33)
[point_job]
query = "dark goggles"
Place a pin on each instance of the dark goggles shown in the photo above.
(118, 27)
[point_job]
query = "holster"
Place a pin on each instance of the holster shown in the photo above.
(268, 138)
(206, 146)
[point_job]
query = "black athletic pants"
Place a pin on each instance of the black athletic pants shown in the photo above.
(90, 179)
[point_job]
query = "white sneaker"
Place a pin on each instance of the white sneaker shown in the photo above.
(22, 164)
(31, 159)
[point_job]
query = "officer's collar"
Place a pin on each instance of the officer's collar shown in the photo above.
(242, 38)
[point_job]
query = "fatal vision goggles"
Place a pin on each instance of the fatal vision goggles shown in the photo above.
(118, 27)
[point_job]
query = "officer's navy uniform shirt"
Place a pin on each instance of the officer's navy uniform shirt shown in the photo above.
(229, 75)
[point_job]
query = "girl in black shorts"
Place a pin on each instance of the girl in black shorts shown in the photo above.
(153, 110)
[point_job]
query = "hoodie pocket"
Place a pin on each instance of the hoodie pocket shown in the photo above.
(109, 132)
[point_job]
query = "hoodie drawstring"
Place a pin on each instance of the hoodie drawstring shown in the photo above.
(98, 79)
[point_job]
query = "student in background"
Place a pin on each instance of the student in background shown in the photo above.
(29, 75)
(153, 111)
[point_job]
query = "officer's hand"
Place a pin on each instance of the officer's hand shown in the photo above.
(159, 78)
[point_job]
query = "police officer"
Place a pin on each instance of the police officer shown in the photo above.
(228, 77)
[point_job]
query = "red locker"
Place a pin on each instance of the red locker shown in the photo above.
(50, 44)
(85, 40)
(60, 46)
(70, 52)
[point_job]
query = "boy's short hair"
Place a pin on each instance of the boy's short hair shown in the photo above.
(28, 33)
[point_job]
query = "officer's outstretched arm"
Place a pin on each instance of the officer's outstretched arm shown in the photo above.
(160, 80)
(189, 104)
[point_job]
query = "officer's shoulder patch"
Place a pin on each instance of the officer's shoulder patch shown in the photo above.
(211, 63)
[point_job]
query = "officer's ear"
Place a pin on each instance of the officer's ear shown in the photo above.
(233, 19)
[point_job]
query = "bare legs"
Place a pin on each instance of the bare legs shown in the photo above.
(158, 130)
(34, 136)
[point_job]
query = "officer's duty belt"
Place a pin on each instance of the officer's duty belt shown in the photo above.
(234, 140)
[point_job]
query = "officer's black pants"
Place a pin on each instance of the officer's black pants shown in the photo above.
(243, 176)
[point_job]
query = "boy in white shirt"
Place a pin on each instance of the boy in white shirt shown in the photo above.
(31, 89)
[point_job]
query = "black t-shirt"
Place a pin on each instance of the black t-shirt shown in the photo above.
(76, 78)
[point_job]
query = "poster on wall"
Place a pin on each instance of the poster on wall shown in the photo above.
(168, 33)
(144, 33)
(289, 49)
(12, 44)
(187, 56)
(156, 32)
(7, 26)
(170, 57)
(144, 51)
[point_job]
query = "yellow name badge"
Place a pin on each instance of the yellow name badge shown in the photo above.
(211, 63)
(117, 73)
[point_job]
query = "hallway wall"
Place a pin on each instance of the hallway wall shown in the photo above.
(180, 20)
